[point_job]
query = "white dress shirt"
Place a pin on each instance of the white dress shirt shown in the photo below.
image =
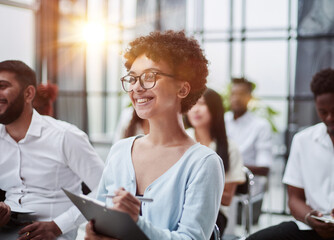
(252, 136)
(53, 155)
(310, 167)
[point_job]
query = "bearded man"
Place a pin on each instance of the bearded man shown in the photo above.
(39, 155)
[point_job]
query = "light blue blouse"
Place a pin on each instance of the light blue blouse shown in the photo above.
(186, 197)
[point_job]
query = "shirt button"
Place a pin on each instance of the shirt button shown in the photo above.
(144, 204)
(149, 189)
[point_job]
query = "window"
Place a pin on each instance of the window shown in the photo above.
(18, 42)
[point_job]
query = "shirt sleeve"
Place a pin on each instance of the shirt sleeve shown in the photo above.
(102, 187)
(264, 156)
(81, 157)
(235, 172)
(292, 175)
(202, 201)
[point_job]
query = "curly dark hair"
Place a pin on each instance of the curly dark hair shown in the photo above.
(323, 82)
(250, 85)
(182, 54)
(23, 73)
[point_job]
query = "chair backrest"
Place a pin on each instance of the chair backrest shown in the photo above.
(244, 188)
(216, 233)
(243, 192)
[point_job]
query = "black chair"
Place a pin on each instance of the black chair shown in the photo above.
(261, 186)
(216, 233)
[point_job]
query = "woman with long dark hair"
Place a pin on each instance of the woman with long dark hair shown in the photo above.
(206, 118)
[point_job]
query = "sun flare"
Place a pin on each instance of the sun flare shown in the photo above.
(94, 32)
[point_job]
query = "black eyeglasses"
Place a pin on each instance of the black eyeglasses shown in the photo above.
(147, 80)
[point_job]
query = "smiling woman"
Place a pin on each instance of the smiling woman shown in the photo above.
(166, 76)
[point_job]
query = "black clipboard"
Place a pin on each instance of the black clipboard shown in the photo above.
(107, 221)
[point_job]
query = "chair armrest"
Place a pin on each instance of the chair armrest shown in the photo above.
(259, 171)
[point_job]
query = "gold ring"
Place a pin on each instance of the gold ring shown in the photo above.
(28, 233)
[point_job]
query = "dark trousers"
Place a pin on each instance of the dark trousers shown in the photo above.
(221, 223)
(285, 231)
(10, 232)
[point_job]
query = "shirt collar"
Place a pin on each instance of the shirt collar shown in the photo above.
(35, 127)
(322, 136)
(243, 117)
(2, 131)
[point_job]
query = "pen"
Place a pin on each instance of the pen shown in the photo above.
(143, 199)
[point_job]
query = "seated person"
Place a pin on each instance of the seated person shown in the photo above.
(46, 94)
(309, 172)
(39, 156)
(166, 76)
(207, 121)
(252, 135)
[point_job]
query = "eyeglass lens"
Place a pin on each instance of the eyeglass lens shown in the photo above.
(147, 81)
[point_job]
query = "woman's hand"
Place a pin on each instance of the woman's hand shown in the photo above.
(126, 202)
(92, 235)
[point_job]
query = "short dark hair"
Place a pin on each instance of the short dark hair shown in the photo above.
(23, 73)
(250, 85)
(323, 82)
(181, 53)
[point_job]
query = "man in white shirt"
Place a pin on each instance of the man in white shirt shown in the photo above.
(309, 172)
(252, 134)
(39, 156)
